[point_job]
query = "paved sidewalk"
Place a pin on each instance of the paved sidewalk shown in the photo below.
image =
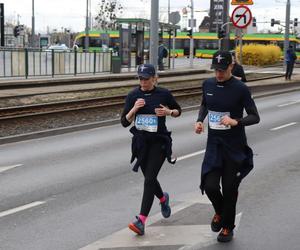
(133, 82)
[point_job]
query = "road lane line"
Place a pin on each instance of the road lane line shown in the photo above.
(283, 126)
(5, 168)
(288, 104)
(21, 208)
(171, 235)
(190, 155)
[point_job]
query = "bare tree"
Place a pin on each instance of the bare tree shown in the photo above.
(106, 18)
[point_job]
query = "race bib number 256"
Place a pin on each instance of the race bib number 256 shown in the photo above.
(214, 120)
(146, 122)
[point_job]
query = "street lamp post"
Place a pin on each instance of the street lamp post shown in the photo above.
(32, 27)
(287, 29)
(168, 11)
(86, 38)
(154, 32)
(191, 38)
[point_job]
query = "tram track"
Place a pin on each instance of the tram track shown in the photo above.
(36, 110)
(79, 105)
(78, 88)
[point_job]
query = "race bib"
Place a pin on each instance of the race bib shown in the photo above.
(214, 120)
(146, 122)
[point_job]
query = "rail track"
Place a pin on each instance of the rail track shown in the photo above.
(35, 110)
(170, 82)
(62, 107)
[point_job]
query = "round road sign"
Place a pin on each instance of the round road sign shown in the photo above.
(241, 16)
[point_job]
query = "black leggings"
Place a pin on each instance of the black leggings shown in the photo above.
(224, 202)
(150, 168)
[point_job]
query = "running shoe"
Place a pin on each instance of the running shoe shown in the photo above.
(225, 235)
(137, 226)
(165, 207)
(216, 223)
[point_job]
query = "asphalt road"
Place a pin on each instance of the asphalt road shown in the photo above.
(77, 190)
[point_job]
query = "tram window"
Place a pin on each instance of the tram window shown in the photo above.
(186, 43)
(95, 42)
(201, 44)
(196, 43)
(211, 44)
(80, 42)
(113, 41)
(178, 43)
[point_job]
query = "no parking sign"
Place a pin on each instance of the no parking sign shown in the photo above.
(241, 17)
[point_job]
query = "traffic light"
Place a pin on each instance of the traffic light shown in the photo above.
(17, 30)
(272, 22)
(254, 22)
(160, 34)
(189, 33)
(221, 33)
(295, 22)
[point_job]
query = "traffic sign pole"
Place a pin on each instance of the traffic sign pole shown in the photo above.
(225, 19)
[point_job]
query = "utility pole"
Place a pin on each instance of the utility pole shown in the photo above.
(287, 29)
(2, 41)
(168, 11)
(225, 19)
(86, 38)
(191, 38)
(32, 27)
(154, 33)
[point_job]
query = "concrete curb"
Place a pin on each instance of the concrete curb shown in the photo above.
(58, 81)
(69, 129)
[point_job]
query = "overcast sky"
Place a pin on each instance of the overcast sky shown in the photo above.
(59, 14)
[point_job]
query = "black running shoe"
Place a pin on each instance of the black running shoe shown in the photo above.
(216, 223)
(225, 235)
(165, 207)
(137, 226)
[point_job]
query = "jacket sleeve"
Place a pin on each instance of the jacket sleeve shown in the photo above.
(173, 104)
(203, 108)
(127, 107)
(252, 116)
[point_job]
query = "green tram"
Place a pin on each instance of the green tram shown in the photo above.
(205, 44)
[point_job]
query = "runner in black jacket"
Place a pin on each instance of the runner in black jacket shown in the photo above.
(148, 106)
(237, 70)
(227, 156)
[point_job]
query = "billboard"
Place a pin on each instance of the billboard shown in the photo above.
(216, 14)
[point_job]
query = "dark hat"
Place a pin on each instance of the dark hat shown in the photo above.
(221, 60)
(146, 70)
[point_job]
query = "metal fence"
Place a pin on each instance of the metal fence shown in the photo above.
(30, 62)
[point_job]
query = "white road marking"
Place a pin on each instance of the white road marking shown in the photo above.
(288, 103)
(21, 208)
(188, 235)
(156, 236)
(5, 168)
(180, 158)
(283, 126)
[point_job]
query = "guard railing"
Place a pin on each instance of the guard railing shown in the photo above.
(42, 62)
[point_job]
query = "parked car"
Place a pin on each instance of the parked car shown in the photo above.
(58, 48)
